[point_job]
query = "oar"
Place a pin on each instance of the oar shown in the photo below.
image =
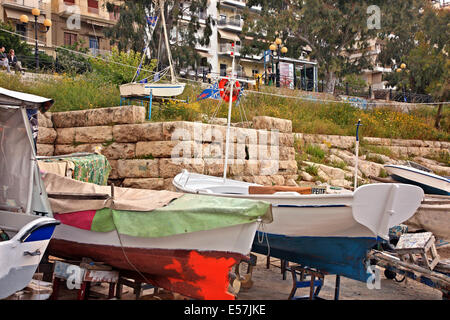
(357, 154)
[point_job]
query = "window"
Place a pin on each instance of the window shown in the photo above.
(93, 6)
(93, 45)
(115, 14)
(70, 39)
(223, 70)
(21, 29)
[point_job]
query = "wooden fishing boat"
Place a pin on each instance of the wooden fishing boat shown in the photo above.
(433, 215)
(332, 232)
(183, 244)
(431, 183)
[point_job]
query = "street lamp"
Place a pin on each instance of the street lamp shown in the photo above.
(400, 71)
(47, 23)
(278, 49)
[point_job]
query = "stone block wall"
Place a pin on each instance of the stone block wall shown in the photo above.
(398, 147)
(149, 154)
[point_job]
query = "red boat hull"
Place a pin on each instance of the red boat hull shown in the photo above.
(195, 274)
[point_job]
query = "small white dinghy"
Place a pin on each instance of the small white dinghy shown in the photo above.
(153, 89)
(431, 183)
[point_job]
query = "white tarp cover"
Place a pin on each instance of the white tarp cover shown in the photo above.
(15, 156)
(15, 98)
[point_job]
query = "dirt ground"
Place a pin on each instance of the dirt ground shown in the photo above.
(268, 284)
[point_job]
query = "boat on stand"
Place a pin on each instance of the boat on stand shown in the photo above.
(183, 243)
(23, 241)
(155, 88)
(330, 232)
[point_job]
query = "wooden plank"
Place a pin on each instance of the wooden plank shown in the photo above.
(274, 189)
(396, 262)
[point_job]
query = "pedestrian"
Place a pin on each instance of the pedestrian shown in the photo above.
(4, 60)
(17, 65)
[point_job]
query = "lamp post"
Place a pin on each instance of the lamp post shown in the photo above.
(401, 71)
(278, 49)
(47, 23)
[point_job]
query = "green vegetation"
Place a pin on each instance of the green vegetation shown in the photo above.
(312, 170)
(90, 91)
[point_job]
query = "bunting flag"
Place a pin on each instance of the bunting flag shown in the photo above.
(138, 71)
(151, 20)
(241, 92)
(210, 93)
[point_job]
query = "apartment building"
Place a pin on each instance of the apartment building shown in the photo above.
(12, 10)
(82, 21)
(72, 21)
(228, 17)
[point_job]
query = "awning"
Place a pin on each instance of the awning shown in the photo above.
(204, 54)
(12, 14)
(229, 35)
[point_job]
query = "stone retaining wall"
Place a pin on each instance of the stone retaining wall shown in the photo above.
(398, 147)
(149, 154)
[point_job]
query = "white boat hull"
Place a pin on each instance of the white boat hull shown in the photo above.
(434, 218)
(156, 89)
(431, 183)
(331, 232)
(20, 257)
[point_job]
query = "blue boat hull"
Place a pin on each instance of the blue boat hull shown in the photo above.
(427, 189)
(334, 255)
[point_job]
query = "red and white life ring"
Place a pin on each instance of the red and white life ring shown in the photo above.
(225, 92)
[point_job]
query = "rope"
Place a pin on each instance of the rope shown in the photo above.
(326, 100)
(264, 234)
(250, 91)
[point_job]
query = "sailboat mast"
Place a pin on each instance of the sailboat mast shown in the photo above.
(169, 54)
(230, 106)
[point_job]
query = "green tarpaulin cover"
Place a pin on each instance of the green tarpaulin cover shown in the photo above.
(186, 214)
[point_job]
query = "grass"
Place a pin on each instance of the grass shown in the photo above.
(315, 152)
(87, 92)
(312, 170)
(442, 156)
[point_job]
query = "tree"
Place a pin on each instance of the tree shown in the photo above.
(115, 68)
(130, 30)
(421, 40)
(334, 30)
(12, 41)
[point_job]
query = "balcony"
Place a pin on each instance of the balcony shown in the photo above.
(200, 15)
(27, 4)
(233, 23)
(235, 3)
(225, 48)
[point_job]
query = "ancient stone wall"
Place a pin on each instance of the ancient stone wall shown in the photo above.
(149, 154)
(398, 147)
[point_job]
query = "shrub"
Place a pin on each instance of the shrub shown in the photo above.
(120, 67)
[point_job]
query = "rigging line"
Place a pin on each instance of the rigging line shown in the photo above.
(334, 101)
